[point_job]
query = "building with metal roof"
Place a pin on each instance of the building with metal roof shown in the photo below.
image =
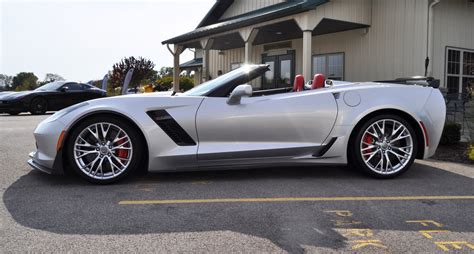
(355, 40)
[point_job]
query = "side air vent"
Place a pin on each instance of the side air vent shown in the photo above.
(171, 128)
(325, 148)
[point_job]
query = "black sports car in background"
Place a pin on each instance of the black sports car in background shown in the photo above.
(50, 97)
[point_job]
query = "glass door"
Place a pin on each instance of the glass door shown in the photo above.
(281, 73)
(269, 80)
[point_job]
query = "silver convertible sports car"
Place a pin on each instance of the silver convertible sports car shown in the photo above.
(378, 127)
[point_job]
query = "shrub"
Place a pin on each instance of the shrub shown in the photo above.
(166, 83)
(471, 153)
(185, 84)
(451, 134)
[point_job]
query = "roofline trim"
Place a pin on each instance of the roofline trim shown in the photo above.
(235, 23)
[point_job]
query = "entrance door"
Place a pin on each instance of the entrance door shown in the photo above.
(281, 73)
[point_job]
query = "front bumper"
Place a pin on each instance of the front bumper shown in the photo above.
(38, 166)
(47, 158)
(11, 106)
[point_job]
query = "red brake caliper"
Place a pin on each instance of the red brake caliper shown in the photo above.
(122, 153)
(368, 139)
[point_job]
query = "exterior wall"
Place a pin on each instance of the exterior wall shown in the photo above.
(394, 46)
(453, 27)
(243, 6)
(356, 11)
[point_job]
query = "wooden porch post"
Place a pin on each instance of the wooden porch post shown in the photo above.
(206, 46)
(307, 54)
(307, 23)
(248, 35)
(178, 49)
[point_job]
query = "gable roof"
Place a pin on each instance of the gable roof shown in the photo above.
(216, 12)
(250, 18)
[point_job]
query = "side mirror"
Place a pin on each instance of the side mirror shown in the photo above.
(238, 93)
(64, 89)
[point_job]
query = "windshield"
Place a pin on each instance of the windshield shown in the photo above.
(236, 77)
(53, 86)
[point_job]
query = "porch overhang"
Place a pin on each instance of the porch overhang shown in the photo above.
(276, 32)
(251, 18)
(191, 65)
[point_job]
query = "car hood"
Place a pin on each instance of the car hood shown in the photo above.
(14, 95)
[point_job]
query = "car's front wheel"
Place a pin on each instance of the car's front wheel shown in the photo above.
(38, 106)
(104, 149)
(385, 146)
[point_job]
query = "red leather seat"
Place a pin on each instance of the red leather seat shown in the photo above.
(298, 86)
(318, 81)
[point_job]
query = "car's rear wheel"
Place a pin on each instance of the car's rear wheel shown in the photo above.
(38, 106)
(385, 146)
(104, 149)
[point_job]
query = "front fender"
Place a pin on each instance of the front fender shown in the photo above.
(161, 148)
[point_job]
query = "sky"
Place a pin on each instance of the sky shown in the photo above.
(82, 39)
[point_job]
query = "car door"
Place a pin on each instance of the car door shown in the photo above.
(88, 93)
(261, 128)
(72, 94)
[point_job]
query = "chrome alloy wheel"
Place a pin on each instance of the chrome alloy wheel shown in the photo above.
(386, 146)
(103, 151)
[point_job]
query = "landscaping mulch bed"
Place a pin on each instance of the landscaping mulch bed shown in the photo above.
(454, 153)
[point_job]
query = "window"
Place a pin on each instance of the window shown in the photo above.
(73, 86)
(459, 69)
(331, 65)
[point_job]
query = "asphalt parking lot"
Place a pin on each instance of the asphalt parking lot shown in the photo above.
(316, 210)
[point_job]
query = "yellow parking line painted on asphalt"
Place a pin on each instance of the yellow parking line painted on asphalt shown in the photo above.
(307, 199)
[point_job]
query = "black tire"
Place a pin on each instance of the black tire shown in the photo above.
(38, 106)
(131, 131)
(357, 155)
(14, 113)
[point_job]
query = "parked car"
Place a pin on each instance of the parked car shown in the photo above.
(133, 90)
(223, 124)
(50, 97)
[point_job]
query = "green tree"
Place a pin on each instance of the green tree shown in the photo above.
(25, 81)
(5, 82)
(142, 70)
(50, 77)
(166, 72)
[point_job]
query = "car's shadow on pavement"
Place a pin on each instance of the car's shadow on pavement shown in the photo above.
(68, 205)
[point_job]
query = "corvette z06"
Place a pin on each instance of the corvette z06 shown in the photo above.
(378, 127)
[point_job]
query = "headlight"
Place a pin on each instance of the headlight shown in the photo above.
(65, 111)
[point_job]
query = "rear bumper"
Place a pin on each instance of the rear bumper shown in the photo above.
(433, 117)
